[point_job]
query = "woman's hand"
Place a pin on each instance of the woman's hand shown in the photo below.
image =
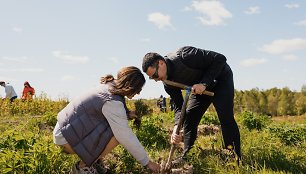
(132, 115)
(154, 167)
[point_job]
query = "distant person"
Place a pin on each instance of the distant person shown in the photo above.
(200, 69)
(163, 104)
(9, 91)
(158, 102)
(96, 122)
(171, 104)
(28, 91)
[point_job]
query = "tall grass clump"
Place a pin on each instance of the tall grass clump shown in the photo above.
(288, 134)
(38, 106)
(28, 148)
(253, 121)
(210, 118)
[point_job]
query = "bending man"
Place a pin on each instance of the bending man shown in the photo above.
(201, 69)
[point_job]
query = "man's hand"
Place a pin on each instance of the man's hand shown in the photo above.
(154, 167)
(175, 138)
(198, 88)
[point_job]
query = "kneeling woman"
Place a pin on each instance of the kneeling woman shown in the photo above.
(95, 123)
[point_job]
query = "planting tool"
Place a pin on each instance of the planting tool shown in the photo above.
(165, 168)
(179, 85)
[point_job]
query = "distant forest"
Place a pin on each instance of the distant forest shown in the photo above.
(272, 102)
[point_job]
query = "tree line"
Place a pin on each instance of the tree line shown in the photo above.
(272, 102)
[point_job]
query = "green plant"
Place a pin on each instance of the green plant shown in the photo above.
(26, 144)
(141, 109)
(290, 135)
(50, 118)
(254, 121)
(210, 118)
(151, 134)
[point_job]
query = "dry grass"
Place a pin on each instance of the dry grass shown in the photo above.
(290, 119)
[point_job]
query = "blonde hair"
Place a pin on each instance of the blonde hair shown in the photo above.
(129, 81)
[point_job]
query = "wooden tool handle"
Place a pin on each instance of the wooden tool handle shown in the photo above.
(179, 85)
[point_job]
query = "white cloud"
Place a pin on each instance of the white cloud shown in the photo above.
(31, 70)
(7, 80)
(252, 62)
(23, 70)
(145, 40)
(301, 23)
(160, 20)
(187, 8)
(70, 58)
(16, 59)
(3, 78)
(114, 59)
(253, 10)
(284, 70)
(212, 12)
(292, 5)
(17, 29)
(290, 57)
(68, 78)
(284, 46)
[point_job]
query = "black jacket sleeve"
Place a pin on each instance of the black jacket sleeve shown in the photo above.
(210, 62)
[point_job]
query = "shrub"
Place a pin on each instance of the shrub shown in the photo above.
(50, 118)
(210, 118)
(141, 109)
(254, 121)
(152, 134)
(31, 152)
(290, 135)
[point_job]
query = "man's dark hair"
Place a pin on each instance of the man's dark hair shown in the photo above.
(149, 59)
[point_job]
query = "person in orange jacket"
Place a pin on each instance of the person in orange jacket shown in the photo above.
(28, 91)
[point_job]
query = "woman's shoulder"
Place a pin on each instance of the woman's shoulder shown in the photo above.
(104, 90)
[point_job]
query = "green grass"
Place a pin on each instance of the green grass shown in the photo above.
(26, 145)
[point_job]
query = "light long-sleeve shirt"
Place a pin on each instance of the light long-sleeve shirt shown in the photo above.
(117, 118)
(9, 91)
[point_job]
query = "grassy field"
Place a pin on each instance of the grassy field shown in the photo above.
(290, 119)
(276, 145)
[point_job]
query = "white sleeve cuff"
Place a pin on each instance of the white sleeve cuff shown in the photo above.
(144, 161)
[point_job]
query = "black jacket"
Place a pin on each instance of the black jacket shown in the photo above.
(189, 65)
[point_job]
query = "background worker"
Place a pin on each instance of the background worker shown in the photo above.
(9, 91)
(28, 91)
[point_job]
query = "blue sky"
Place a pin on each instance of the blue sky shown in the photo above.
(63, 47)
